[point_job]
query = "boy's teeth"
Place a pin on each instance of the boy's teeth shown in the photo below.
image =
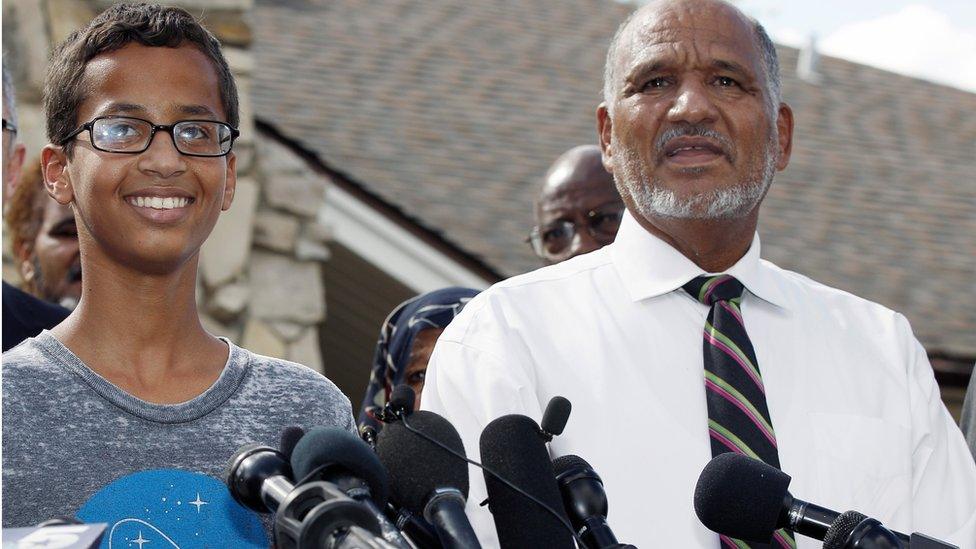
(158, 203)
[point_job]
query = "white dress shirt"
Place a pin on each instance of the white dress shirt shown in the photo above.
(856, 410)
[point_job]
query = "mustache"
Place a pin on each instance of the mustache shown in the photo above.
(694, 130)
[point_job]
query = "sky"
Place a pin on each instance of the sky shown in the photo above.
(930, 39)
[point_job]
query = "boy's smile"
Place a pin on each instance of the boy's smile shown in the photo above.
(152, 209)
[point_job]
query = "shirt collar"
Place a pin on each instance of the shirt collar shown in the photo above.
(650, 267)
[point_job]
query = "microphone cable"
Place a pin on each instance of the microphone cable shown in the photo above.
(403, 418)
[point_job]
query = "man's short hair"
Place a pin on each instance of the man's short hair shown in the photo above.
(9, 95)
(25, 209)
(767, 51)
(146, 24)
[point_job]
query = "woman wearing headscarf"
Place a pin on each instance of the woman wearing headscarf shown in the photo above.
(406, 340)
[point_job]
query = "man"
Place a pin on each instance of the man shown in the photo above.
(128, 411)
(578, 209)
(44, 240)
(666, 369)
(24, 315)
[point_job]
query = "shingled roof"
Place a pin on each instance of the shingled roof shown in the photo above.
(451, 110)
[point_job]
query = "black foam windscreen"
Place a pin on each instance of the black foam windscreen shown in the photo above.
(741, 497)
(556, 415)
(339, 448)
(568, 462)
(403, 398)
(512, 447)
(417, 466)
(841, 529)
(290, 436)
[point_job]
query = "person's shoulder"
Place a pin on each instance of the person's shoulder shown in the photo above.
(29, 364)
(25, 316)
(284, 375)
(564, 273)
(807, 293)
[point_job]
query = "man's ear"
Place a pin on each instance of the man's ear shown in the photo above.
(54, 170)
(604, 128)
(12, 174)
(784, 128)
(230, 185)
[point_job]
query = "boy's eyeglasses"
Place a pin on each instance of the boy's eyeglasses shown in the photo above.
(9, 127)
(554, 240)
(122, 134)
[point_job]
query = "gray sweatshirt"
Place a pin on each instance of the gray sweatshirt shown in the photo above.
(74, 444)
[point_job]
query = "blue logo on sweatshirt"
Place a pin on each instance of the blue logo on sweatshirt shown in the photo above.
(167, 508)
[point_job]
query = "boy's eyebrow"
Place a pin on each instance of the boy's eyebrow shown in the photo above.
(197, 110)
(124, 108)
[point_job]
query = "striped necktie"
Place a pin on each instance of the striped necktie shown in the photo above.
(738, 419)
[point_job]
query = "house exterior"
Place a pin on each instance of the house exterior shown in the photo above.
(389, 148)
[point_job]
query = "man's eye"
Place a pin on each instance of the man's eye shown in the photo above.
(555, 233)
(726, 82)
(658, 82)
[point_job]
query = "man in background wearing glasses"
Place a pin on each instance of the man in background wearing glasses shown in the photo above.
(126, 412)
(24, 315)
(578, 210)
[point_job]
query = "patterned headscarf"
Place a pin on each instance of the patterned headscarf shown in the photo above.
(431, 310)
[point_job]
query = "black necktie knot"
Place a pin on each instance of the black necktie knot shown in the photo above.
(712, 289)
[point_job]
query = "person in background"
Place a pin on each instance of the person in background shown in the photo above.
(968, 420)
(24, 315)
(406, 340)
(578, 209)
(44, 241)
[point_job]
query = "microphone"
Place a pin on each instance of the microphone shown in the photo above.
(427, 480)
(555, 417)
(584, 500)
(315, 515)
(512, 447)
(259, 478)
(402, 400)
(748, 499)
(341, 458)
(290, 436)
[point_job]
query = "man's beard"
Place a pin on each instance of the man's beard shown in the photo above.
(653, 199)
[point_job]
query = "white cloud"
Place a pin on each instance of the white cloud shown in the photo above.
(917, 41)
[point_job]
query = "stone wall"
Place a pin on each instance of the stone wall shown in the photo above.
(260, 280)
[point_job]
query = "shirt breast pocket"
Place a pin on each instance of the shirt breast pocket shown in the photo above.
(862, 462)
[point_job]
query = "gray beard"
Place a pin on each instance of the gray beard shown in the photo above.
(653, 200)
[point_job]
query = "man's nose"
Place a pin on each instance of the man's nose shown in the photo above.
(692, 104)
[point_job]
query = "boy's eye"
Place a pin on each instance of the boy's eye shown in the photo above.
(120, 132)
(193, 132)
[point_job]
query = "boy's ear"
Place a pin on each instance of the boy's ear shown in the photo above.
(231, 183)
(54, 170)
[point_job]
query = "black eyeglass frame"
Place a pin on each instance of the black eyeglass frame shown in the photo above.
(168, 128)
(536, 233)
(9, 126)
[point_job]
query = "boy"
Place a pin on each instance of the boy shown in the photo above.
(127, 411)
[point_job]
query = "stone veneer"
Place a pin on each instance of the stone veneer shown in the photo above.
(260, 280)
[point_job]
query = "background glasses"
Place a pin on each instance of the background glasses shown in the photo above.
(556, 239)
(121, 134)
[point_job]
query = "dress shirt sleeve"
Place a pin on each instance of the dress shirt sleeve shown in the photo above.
(479, 370)
(943, 471)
